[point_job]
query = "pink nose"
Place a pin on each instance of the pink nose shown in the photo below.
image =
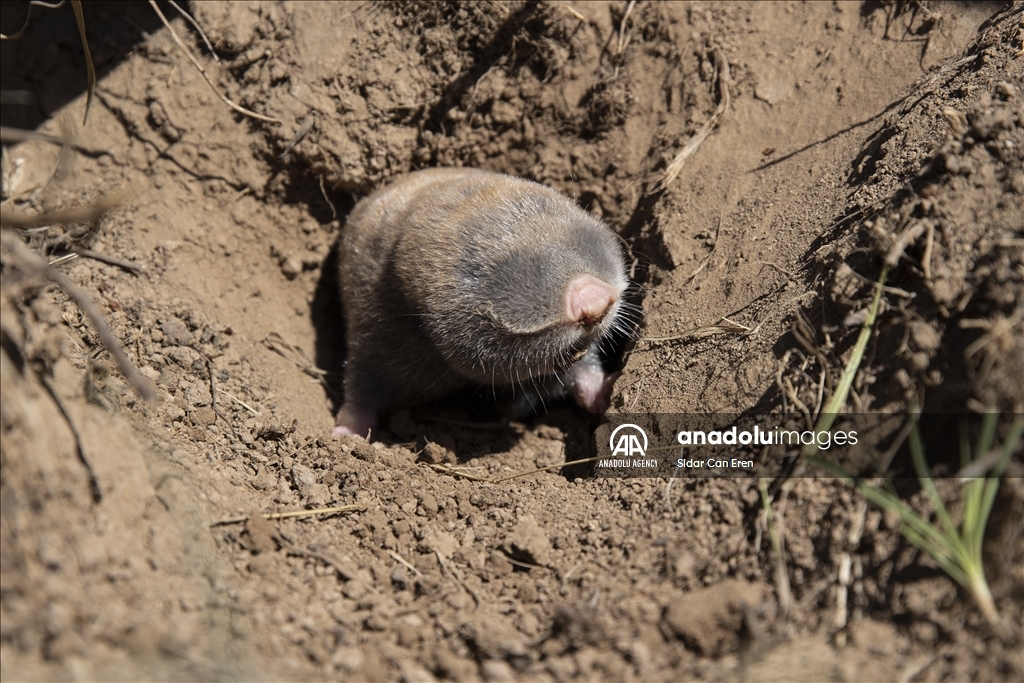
(587, 299)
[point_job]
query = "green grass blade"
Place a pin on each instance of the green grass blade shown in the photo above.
(925, 477)
(838, 399)
(946, 561)
(888, 501)
(988, 434)
(992, 483)
(973, 521)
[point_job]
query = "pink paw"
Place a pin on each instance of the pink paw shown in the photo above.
(354, 422)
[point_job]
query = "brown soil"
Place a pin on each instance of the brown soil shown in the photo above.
(854, 132)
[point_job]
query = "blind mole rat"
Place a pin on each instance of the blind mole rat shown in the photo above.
(454, 276)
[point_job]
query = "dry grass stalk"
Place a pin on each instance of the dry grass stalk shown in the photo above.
(90, 68)
(141, 385)
(202, 72)
(724, 79)
(79, 214)
(292, 514)
(724, 326)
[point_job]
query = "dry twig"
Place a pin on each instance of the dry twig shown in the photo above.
(8, 134)
(241, 403)
(141, 385)
(323, 191)
(707, 259)
(293, 513)
(79, 214)
(76, 6)
(623, 39)
(804, 333)
(28, 17)
(723, 326)
(94, 484)
(109, 260)
(472, 477)
(405, 563)
(293, 353)
(195, 24)
(90, 68)
(202, 72)
(304, 128)
(724, 80)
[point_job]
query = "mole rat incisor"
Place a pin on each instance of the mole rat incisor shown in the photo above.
(456, 276)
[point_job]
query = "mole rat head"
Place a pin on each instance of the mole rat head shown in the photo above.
(540, 303)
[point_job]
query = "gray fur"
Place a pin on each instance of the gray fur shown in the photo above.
(456, 276)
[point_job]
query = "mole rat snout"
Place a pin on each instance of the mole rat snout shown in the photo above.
(588, 299)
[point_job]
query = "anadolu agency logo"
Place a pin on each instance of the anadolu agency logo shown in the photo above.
(628, 445)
